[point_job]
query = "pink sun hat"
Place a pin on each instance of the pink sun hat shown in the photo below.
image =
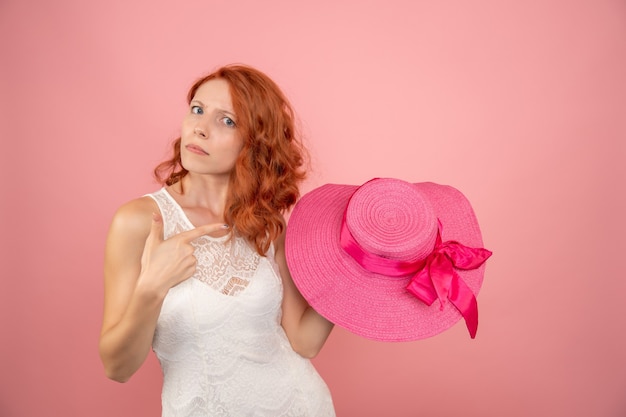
(388, 260)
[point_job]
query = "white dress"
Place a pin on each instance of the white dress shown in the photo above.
(219, 340)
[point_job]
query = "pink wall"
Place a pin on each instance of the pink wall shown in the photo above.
(520, 104)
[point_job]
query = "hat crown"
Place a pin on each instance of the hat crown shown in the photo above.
(391, 218)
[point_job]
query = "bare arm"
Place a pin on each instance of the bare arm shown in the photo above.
(306, 329)
(139, 268)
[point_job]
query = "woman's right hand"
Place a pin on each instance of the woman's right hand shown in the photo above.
(166, 263)
(139, 269)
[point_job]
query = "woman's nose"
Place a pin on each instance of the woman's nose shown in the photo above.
(200, 131)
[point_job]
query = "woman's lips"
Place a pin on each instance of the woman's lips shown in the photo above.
(196, 149)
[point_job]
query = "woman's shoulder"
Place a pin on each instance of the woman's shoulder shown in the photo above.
(137, 208)
(135, 216)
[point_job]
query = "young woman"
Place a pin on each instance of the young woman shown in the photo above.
(197, 272)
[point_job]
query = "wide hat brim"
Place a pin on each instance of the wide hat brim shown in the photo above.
(368, 304)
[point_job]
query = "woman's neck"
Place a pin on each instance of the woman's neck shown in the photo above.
(199, 191)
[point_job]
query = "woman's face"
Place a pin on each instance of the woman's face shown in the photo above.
(210, 139)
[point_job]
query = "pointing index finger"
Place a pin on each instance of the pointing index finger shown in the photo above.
(203, 230)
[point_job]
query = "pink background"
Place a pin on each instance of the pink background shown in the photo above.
(520, 104)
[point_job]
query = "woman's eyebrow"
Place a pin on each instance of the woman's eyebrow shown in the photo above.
(201, 104)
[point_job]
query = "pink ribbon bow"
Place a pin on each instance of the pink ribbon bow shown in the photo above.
(437, 279)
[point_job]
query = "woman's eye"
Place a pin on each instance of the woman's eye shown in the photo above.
(229, 122)
(196, 110)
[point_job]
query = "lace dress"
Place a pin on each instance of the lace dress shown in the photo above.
(219, 340)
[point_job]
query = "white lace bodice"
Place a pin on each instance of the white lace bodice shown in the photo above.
(219, 340)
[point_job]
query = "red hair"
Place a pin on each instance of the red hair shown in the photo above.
(264, 181)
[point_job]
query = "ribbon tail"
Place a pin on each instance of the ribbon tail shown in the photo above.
(464, 300)
(421, 287)
(442, 274)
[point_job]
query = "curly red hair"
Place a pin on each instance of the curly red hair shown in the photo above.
(264, 182)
